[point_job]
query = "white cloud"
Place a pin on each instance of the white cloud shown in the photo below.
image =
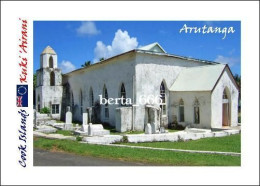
(67, 66)
(88, 28)
(231, 61)
(209, 23)
(122, 42)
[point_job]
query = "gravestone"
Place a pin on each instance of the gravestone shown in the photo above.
(154, 128)
(89, 111)
(162, 130)
(148, 129)
(97, 130)
(85, 118)
(68, 120)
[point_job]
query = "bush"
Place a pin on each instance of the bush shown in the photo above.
(239, 119)
(45, 110)
(79, 138)
(176, 126)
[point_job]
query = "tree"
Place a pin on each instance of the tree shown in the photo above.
(238, 80)
(34, 81)
(86, 64)
(101, 59)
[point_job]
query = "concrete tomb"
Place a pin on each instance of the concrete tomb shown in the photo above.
(68, 120)
(97, 130)
(148, 129)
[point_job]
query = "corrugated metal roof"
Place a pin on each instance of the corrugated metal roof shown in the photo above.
(201, 78)
(154, 47)
(48, 50)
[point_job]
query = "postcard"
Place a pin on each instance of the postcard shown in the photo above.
(103, 99)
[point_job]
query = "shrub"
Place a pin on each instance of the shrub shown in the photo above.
(79, 138)
(176, 126)
(125, 140)
(45, 110)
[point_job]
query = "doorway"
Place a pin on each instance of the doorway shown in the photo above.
(226, 108)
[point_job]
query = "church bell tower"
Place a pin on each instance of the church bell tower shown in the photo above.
(49, 83)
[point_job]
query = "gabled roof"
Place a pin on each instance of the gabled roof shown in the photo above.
(202, 78)
(48, 50)
(154, 47)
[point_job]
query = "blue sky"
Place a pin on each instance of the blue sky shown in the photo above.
(78, 41)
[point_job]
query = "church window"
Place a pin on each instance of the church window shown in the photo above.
(225, 94)
(163, 98)
(55, 109)
(72, 101)
(52, 79)
(81, 102)
(106, 108)
(181, 110)
(51, 62)
(123, 94)
(39, 103)
(196, 112)
(91, 97)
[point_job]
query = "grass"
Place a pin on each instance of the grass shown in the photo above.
(225, 144)
(153, 157)
(173, 130)
(114, 132)
(65, 132)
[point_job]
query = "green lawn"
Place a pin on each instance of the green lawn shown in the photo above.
(153, 157)
(65, 132)
(225, 144)
(114, 132)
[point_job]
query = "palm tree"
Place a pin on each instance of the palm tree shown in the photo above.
(86, 64)
(238, 80)
(101, 59)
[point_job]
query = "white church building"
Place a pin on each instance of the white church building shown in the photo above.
(196, 93)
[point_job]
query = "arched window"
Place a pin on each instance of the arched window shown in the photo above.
(122, 94)
(52, 79)
(181, 110)
(72, 100)
(225, 94)
(196, 111)
(105, 95)
(51, 62)
(81, 101)
(162, 96)
(39, 103)
(91, 97)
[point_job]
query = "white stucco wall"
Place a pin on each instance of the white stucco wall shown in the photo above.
(204, 98)
(216, 99)
(49, 95)
(45, 60)
(112, 74)
(151, 70)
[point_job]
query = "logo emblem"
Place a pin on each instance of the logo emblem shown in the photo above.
(22, 95)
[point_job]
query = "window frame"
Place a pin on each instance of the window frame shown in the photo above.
(106, 106)
(181, 107)
(196, 106)
(123, 94)
(163, 104)
(55, 108)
